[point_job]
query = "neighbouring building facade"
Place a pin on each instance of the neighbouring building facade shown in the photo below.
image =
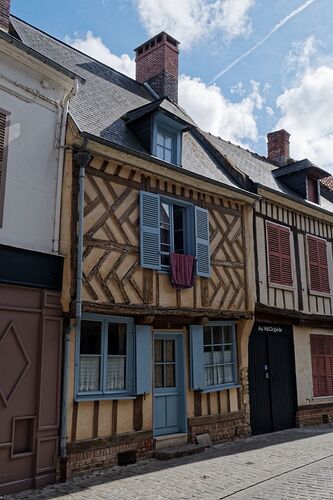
(34, 94)
(153, 349)
(290, 349)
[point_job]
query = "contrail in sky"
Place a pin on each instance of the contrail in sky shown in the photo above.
(263, 40)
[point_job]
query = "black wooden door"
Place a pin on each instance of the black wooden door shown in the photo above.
(271, 378)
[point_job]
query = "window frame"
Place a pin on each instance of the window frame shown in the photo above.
(312, 290)
(103, 394)
(228, 385)
(189, 246)
(277, 284)
(4, 164)
(310, 180)
(167, 126)
(315, 339)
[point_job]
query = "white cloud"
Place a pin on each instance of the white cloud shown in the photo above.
(213, 112)
(299, 57)
(269, 111)
(307, 114)
(192, 20)
(94, 47)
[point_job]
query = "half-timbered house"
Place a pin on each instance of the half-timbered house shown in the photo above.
(290, 349)
(159, 273)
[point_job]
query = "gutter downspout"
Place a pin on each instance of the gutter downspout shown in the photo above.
(60, 144)
(81, 159)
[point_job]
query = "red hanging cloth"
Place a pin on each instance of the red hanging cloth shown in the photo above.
(182, 270)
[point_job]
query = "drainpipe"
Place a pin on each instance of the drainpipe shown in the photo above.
(60, 144)
(81, 159)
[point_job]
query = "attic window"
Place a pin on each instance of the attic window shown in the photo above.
(312, 190)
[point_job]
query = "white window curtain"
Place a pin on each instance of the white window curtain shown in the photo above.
(116, 373)
(89, 373)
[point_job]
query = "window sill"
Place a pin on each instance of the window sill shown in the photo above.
(218, 388)
(320, 294)
(103, 397)
(290, 288)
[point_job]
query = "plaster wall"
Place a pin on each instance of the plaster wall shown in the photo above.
(31, 178)
(303, 365)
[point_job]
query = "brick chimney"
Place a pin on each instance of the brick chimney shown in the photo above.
(157, 64)
(278, 147)
(4, 14)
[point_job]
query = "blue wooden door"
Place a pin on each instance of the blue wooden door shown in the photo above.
(169, 401)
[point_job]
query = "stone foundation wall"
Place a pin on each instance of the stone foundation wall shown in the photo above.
(87, 456)
(314, 415)
(220, 427)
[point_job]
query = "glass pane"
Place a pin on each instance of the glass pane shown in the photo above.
(167, 141)
(117, 334)
(228, 353)
(169, 350)
(207, 335)
(90, 339)
(217, 334)
(89, 378)
(165, 236)
(167, 155)
(227, 334)
(170, 376)
(160, 152)
(208, 357)
(228, 374)
(165, 213)
(160, 139)
(165, 260)
(158, 345)
(116, 373)
(178, 224)
(209, 377)
(217, 357)
(218, 375)
(159, 376)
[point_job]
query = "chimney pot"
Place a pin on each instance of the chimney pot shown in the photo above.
(278, 147)
(4, 15)
(157, 64)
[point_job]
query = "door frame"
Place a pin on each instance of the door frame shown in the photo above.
(179, 337)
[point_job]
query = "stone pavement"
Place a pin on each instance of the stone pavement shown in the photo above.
(295, 464)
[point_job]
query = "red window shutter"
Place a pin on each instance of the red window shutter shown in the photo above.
(322, 364)
(3, 119)
(318, 266)
(279, 254)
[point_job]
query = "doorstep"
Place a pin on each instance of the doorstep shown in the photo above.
(170, 440)
(178, 451)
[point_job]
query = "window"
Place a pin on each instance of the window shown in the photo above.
(164, 145)
(312, 190)
(105, 356)
(219, 355)
(318, 267)
(168, 225)
(322, 364)
(279, 254)
(173, 231)
(4, 129)
(213, 356)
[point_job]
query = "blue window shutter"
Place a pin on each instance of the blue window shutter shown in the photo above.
(143, 359)
(197, 358)
(150, 230)
(202, 249)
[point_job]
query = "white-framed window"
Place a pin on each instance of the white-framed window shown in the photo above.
(165, 144)
(173, 230)
(213, 356)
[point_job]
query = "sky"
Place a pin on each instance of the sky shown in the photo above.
(246, 67)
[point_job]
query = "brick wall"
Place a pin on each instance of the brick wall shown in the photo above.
(87, 456)
(223, 427)
(4, 14)
(278, 146)
(314, 415)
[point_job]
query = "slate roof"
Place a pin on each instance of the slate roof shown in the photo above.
(163, 105)
(107, 96)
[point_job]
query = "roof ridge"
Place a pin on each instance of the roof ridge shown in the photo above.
(78, 51)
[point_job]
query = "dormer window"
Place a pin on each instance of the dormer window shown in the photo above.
(312, 190)
(167, 139)
(165, 144)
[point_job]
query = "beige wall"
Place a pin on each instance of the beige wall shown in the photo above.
(304, 365)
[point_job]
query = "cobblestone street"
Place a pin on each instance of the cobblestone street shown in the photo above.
(296, 463)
